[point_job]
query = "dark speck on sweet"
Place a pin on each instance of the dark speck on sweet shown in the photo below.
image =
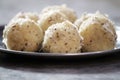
(90, 40)
(104, 33)
(26, 44)
(13, 29)
(68, 32)
(23, 49)
(66, 51)
(75, 47)
(14, 26)
(36, 34)
(50, 37)
(102, 23)
(65, 30)
(73, 33)
(66, 43)
(55, 42)
(55, 29)
(57, 34)
(37, 43)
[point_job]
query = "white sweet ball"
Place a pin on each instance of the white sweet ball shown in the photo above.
(98, 33)
(68, 12)
(22, 35)
(62, 38)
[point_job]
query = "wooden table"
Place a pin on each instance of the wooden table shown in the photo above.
(21, 68)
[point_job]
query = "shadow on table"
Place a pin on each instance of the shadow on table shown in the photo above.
(107, 64)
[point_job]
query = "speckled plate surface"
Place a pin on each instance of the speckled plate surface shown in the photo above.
(59, 56)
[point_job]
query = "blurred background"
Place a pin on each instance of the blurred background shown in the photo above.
(8, 8)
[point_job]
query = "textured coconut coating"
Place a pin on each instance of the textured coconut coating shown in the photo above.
(70, 13)
(104, 19)
(62, 38)
(98, 33)
(49, 18)
(22, 35)
(29, 15)
(84, 17)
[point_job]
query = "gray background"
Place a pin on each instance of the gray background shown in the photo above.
(8, 8)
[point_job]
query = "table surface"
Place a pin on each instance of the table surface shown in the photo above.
(102, 68)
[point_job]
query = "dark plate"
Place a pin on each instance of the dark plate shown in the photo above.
(59, 56)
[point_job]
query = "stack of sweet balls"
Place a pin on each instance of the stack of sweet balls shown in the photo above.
(57, 30)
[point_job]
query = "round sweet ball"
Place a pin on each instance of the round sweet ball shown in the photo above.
(22, 35)
(49, 18)
(70, 13)
(98, 33)
(29, 15)
(84, 17)
(98, 15)
(62, 38)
